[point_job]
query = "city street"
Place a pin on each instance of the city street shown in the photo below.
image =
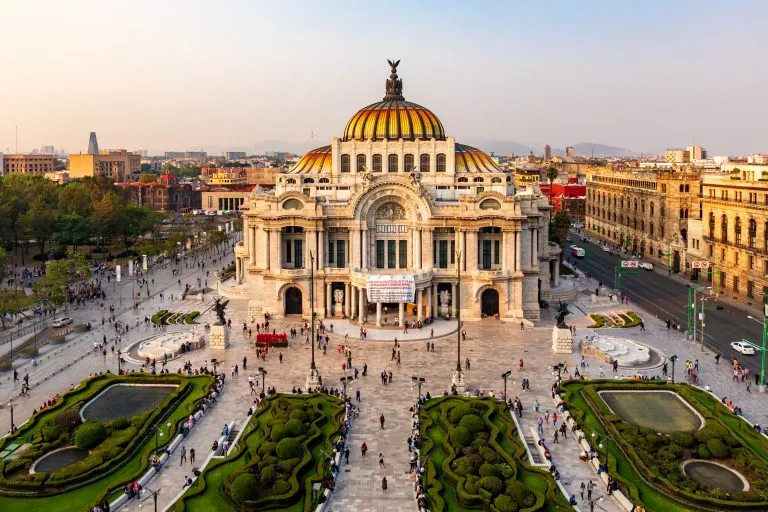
(666, 298)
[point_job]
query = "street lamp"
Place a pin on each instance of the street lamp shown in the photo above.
(458, 375)
(11, 406)
(263, 373)
(673, 360)
(313, 378)
(153, 495)
(702, 316)
(159, 434)
(419, 381)
(761, 386)
(506, 376)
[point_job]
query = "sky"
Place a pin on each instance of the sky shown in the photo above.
(168, 75)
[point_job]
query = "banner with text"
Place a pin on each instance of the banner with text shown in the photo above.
(385, 288)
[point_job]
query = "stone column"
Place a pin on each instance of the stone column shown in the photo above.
(320, 259)
(534, 247)
(328, 300)
(238, 264)
(401, 314)
(429, 300)
(309, 246)
(353, 311)
(361, 305)
(556, 280)
(506, 251)
(347, 299)
(471, 251)
(365, 249)
(517, 251)
(463, 249)
(275, 251)
(427, 258)
(418, 304)
(434, 299)
(354, 247)
(252, 239)
(378, 314)
(453, 300)
(416, 249)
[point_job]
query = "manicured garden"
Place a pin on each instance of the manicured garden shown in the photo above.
(624, 320)
(118, 451)
(279, 457)
(165, 317)
(646, 462)
(476, 460)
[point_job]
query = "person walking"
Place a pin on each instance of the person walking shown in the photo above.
(280, 357)
(384, 485)
(346, 455)
(522, 326)
(363, 449)
(717, 358)
(381, 421)
(583, 489)
(183, 455)
(381, 460)
(191, 455)
(556, 436)
(590, 486)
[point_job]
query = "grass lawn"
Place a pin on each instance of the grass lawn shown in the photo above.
(85, 497)
(206, 493)
(659, 410)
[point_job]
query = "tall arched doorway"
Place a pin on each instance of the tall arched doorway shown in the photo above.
(489, 302)
(292, 301)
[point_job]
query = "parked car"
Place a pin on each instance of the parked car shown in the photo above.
(742, 347)
(645, 265)
(605, 248)
(62, 322)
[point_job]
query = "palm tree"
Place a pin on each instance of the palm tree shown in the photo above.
(552, 174)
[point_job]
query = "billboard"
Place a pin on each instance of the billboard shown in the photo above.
(390, 288)
(118, 274)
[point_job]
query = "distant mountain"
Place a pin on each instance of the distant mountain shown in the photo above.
(501, 147)
(590, 148)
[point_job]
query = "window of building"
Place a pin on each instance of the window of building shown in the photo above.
(443, 259)
(722, 255)
(341, 253)
(751, 261)
(392, 163)
(486, 254)
(434, 252)
(391, 254)
(752, 233)
(408, 163)
(440, 160)
(331, 252)
(424, 162)
(288, 245)
(722, 280)
(724, 229)
(736, 284)
(345, 163)
(711, 251)
(379, 253)
(496, 252)
(736, 258)
(453, 252)
(360, 165)
(664, 189)
(376, 163)
(737, 230)
(403, 254)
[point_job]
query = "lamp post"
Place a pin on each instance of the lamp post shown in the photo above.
(263, 374)
(673, 360)
(457, 381)
(419, 381)
(153, 495)
(702, 316)
(505, 376)
(11, 406)
(159, 434)
(761, 385)
(313, 377)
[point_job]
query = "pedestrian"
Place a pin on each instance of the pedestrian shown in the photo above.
(642, 328)
(363, 449)
(191, 455)
(346, 455)
(357, 395)
(381, 460)
(381, 420)
(384, 485)
(590, 486)
(749, 386)
(556, 436)
(717, 358)
(280, 357)
(522, 326)
(583, 489)
(183, 455)
(466, 364)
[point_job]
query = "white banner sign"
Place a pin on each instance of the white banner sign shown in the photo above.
(130, 267)
(700, 264)
(144, 262)
(629, 264)
(384, 288)
(118, 273)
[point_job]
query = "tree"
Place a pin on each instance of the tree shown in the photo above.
(73, 230)
(69, 274)
(146, 177)
(560, 225)
(14, 303)
(39, 223)
(552, 174)
(135, 221)
(105, 216)
(75, 199)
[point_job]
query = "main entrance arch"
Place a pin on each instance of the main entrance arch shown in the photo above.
(293, 301)
(489, 302)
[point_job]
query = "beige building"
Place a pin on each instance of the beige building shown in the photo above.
(645, 212)
(224, 197)
(115, 164)
(685, 155)
(27, 164)
(735, 236)
(388, 214)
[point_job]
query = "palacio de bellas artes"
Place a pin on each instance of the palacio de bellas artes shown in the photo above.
(388, 220)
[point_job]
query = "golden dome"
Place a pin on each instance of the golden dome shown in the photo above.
(394, 118)
(316, 161)
(469, 159)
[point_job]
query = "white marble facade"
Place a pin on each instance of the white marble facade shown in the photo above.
(417, 208)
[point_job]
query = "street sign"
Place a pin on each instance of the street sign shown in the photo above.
(629, 264)
(700, 264)
(765, 310)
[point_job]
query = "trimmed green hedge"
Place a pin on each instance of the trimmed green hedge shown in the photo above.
(647, 465)
(157, 318)
(279, 455)
(475, 459)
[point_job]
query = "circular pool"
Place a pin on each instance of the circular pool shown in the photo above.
(58, 459)
(714, 475)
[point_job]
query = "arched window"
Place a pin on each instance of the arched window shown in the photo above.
(477, 180)
(308, 180)
(408, 163)
(290, 181)
(651, 206)
(376, 163)
(463, 180)
(752, 233)
(345, 163)
(392, 163)
(711, 225)
(323, 180)
(360, 163)
(682, 188)
(424, 162)
(650, 231)
(440, 162)
(737, 230)
(635, 204)
(724, 229)
(495, 180)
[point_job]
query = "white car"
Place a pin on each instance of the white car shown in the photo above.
(62, 322)
(605, 248)
(646, 265)
(744, 348)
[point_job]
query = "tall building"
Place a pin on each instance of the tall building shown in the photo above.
(93, 144)
(27, 164)
(685, 155)
(47, 150)
(372, 224)
(235, 155)
(570, 151)
(643, 211)
(547, 153)
(115, 164)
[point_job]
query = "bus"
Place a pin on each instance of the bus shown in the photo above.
(578, 252)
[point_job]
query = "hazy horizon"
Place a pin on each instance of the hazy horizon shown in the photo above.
(167, 75)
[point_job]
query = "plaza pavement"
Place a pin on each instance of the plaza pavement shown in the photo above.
(493, 347)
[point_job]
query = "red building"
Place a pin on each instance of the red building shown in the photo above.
(165, 194)
(570, 197)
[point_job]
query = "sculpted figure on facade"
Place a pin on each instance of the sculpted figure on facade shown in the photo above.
(338, 296)
(445, 297)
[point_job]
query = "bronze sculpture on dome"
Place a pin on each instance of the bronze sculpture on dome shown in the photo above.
(394, 84)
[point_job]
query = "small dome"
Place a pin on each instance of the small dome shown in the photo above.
(316, 161)
(394, 118)
(469, 159)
